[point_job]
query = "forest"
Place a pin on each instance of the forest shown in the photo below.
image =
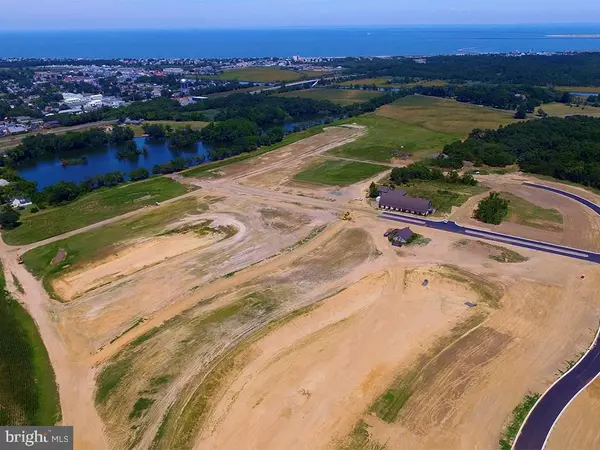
(566, 149)
(579, 69)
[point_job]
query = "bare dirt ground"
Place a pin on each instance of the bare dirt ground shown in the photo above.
(581, 228)
(544, 319)
(304, 380)
(112, 294)
(578, 426)
(187, 346)
(289, 155)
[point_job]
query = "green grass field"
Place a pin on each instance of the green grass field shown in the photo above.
(196, 125)
(338, 173)
(28, 391)
(340, 96)
(591, 90)
(86, 247)
(562, 110)
(526, 213)
(445, 115)
(384, 82)
(443, 195)
(267, 74)
(95, 207)
(388, 138)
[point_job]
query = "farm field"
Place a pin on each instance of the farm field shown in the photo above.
(267, 74)
(337, 173)
(196, 125)
(340, 96)
(28, 392)
(562, 110)
(94, 207)
(384, 83)
(388, 138)
(593, 90)
(445, 115)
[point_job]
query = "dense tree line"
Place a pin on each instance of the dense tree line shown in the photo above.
(581, 69)
(567, 149)
(184, 137)
(420, 171)
(35, 146)
(497, 96)
(177, 165)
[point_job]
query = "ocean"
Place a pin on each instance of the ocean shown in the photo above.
(364, 41)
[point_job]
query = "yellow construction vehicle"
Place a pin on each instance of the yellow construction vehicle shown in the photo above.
(347, 216)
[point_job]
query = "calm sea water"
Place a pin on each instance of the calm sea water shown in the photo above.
(47, 171)
(377, 41)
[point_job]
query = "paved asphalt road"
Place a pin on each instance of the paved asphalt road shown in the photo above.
(546, 412)
(453, 227)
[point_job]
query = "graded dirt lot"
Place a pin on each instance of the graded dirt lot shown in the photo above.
(253, 317)
(378, 328)
(138, 277)
(577, 428)
(186, 347)
(580, 226)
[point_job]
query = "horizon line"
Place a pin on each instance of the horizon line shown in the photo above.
(296, 27)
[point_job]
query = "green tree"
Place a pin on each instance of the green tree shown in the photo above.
(492, 209)
(61, 192)
(139, 174)
(9, 218)
(521, 112)
(373, 190)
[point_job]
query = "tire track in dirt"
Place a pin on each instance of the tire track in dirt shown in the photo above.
(212, 289)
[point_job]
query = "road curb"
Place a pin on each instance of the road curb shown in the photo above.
(592, 345)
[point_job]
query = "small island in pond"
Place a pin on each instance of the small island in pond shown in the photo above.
(74, 161)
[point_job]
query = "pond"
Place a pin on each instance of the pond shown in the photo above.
(47, 171)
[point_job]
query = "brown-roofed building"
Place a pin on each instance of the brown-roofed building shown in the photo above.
(397, 200)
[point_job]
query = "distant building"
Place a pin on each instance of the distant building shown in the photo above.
(20, 202)
(397, 200)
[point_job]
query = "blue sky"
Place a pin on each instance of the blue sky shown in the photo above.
(104, 14)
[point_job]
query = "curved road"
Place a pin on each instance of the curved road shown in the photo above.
(538, 425)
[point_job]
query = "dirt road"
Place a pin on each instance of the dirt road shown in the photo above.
(74, 378)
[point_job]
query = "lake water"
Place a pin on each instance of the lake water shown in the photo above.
(363, 41)
(48, 171)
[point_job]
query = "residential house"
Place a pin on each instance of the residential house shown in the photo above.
(20, 202)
